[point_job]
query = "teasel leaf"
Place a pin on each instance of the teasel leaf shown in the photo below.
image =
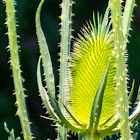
(53, 105)
(10, 133)
(46, 59)
(97, 104)
(131, 91)
(109, 129)
(73, 118)
(63, 120)
(135, 116)
(44, 97)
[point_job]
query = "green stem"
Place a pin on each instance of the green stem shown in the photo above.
(90, 137)
(14, 62)
(121, 82)
(64, 56)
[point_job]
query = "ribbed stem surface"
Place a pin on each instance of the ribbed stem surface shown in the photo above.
(14, 62)
(64, 56)
(121, 82)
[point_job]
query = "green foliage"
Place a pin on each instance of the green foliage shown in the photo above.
(81, 109)
(10, 133)
(93, 93)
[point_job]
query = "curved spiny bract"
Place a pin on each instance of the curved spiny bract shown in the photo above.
(44, 51)
(53, 108)
(97, 104)
(135, 116)
(15, 64)
(44, 98)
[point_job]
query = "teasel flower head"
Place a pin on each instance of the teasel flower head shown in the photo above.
(91, 105)
(91, 100)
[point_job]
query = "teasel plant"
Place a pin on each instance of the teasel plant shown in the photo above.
(93, 96)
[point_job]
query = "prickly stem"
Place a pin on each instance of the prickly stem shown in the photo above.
(90, 137)
(121, 81)
(64, 54)
(14, 62)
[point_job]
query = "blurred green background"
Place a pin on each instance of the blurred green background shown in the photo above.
(30, 52)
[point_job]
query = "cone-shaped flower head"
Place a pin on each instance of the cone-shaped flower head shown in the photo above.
(91, 54)
(91, 100)
(90, 90)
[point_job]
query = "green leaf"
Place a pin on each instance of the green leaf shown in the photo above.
(53, 105)
(106, 121)
(10, 133)
(135, 131)
(64, 121)
(109, 129)
(131, 92)
(135, 116)
(97, 104)
(73, 118)
(47, 64)
(44, 96)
